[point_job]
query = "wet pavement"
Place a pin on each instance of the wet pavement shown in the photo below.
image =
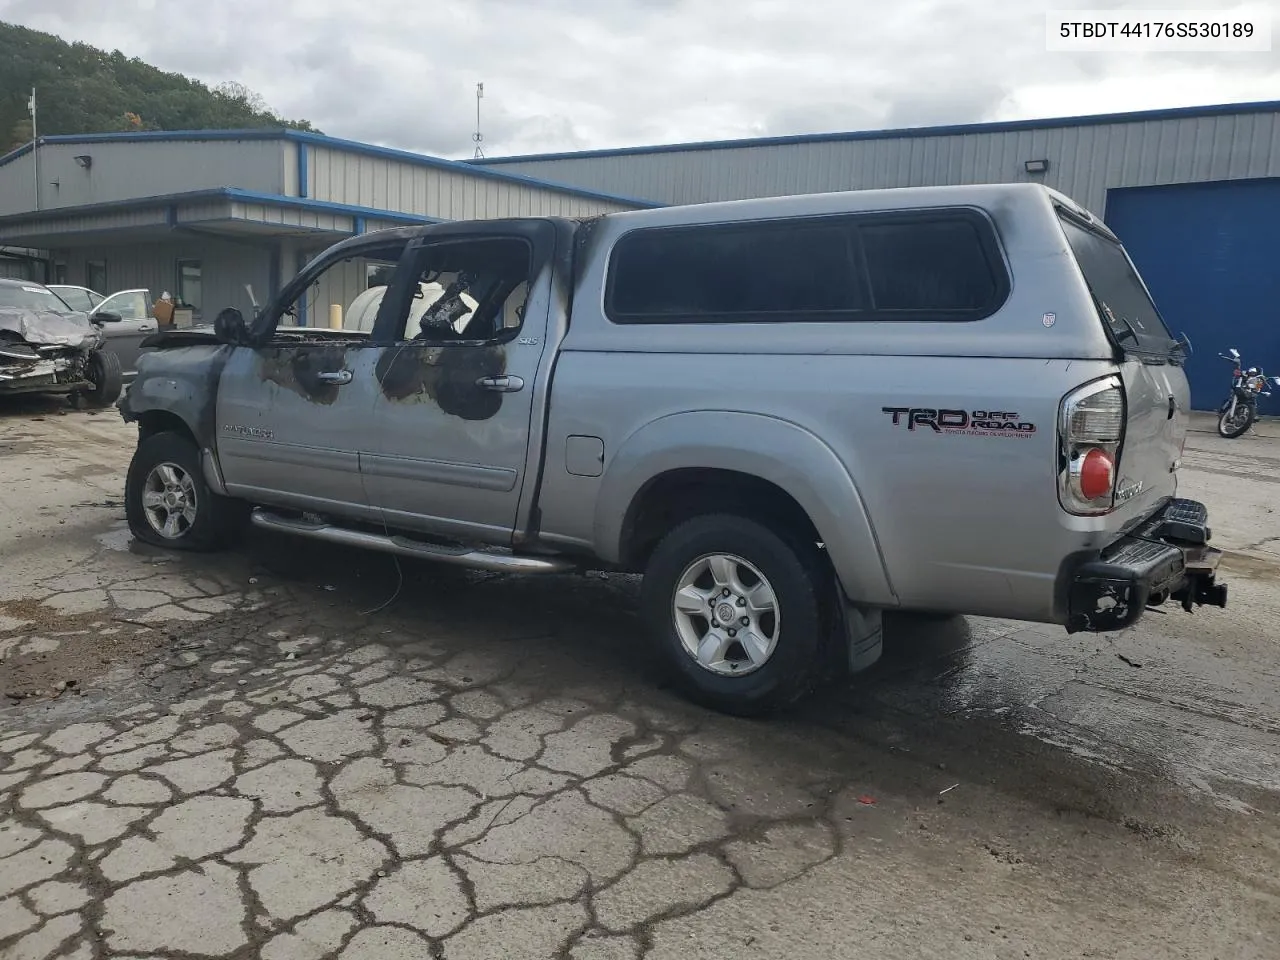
(289, 751)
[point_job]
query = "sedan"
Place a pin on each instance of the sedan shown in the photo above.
(125, 318)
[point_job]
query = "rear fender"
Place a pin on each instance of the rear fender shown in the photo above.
(774, 450)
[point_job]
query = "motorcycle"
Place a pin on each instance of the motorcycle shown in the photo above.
(1240, 410)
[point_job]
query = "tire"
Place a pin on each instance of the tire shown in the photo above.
(103, 371)
(1230, 429)
(787, 654)
(194, 518)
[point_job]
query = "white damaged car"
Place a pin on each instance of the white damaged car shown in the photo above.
(47, 347)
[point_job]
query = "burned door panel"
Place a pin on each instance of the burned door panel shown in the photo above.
(291, 423)
(456, 390)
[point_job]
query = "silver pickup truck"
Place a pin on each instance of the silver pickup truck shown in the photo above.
(790, 414)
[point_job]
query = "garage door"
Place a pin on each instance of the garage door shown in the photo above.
(1210, 252)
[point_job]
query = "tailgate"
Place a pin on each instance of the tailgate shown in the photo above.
(1157, 396)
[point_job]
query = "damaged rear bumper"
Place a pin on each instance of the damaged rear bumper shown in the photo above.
(1167, 557)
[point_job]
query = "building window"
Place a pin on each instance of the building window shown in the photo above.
(95, 275)
(919, 265)
(189, 282)
(59, 272)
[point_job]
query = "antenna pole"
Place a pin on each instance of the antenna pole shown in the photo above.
(478, 137)
(35, 146)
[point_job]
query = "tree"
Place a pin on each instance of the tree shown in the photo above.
(81, 89)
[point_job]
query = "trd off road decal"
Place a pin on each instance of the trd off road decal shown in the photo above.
(970, 423)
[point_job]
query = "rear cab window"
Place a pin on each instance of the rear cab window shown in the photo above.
(1124, 306)
(929, 265)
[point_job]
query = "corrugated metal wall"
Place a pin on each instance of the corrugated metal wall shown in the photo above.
(226, 268)
(1084, 161)
(121, 171)
(384, 183)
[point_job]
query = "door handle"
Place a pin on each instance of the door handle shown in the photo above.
(501, 384)
(335, 376)
(147, 328)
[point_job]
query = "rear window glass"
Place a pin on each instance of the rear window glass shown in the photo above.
(1123, 302)
(930, 266)
(736, 270)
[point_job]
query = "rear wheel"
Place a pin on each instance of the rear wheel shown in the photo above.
(739, 612)
(168, 503)
(1232, 424)
(102, 370)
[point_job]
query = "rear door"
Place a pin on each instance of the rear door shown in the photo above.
(125, 335)
(462, 379)
(1157, 394)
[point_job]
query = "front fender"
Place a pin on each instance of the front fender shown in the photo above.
(778, 451)
(181, 381)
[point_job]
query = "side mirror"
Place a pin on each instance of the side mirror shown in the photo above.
(229, 326)
(106, 316)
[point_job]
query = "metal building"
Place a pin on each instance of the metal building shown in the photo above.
(1194, 193)
(202, 214)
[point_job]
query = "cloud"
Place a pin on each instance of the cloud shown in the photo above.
(564, 75)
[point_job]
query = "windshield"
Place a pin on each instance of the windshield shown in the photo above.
(76, 298)
(31, 297)
(1123, 302)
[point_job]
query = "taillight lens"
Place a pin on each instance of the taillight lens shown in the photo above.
(1091, 430)
(1097, 474)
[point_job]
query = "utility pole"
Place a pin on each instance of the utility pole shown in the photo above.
(478, 137)
(35, 145)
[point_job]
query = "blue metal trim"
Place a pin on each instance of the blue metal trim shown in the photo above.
(333, 143)
(304, 175)
(224, 193)
(898, 133)
(357, 226)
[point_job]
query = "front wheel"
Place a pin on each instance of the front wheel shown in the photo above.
(167, 502)
(1234, 423)
(738, 612)
(106, 380)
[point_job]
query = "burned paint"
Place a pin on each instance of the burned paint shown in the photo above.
(299, 368)
(445, 376)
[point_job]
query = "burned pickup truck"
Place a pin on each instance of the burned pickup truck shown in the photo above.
(47, 347)
(789, 414)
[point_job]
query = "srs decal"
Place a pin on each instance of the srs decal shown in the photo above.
(970, 423)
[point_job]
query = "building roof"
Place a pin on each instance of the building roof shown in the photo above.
(898, 133)
(332, 143)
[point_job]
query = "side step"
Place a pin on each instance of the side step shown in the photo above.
(405, 547)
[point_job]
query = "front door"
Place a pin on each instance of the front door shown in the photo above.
(126, 322)
(459, 380)
(295, 414)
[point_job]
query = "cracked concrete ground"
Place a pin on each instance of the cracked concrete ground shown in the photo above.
(236, 756)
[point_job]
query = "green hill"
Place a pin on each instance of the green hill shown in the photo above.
(81, 89)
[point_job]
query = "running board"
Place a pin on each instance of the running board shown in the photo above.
(405, 547)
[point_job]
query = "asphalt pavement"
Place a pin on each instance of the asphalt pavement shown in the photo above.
(294, 752)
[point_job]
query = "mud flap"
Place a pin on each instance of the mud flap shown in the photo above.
(864, 632)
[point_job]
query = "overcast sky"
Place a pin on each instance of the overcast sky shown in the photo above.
(573, 74)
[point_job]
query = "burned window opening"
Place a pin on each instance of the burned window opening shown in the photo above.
(472, 292)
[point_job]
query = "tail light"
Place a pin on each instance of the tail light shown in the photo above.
(1091, 430)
